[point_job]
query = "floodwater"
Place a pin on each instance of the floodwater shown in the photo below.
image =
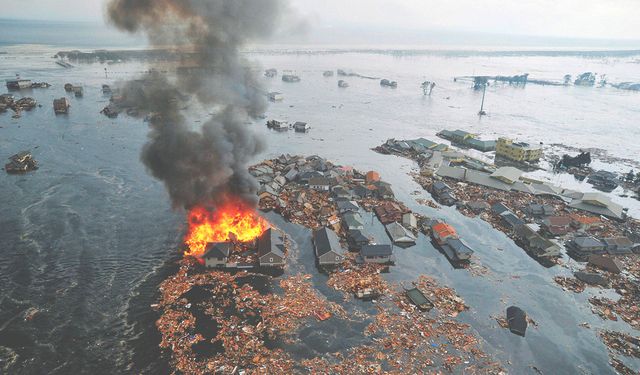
(87, 238)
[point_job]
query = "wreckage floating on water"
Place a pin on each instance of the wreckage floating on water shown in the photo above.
(388, 83)
(419, 299)
(517, 320)
(270, 73)
(328, 73)
(343, 84)
(20, 163)
(290, 78)
(279, 125)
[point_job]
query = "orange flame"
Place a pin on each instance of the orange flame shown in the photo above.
(232, 220)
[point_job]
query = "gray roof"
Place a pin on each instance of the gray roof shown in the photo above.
(507, 173)
(348, 206)
(399, 234)
(353, 219)
(357, 236)
(511, 219)
(376, 250)
(326, 241)
(598, 204)
(499, 208)
(218, 250)
(618, 241)
(586, 242)
(271, 242)
(461, 249)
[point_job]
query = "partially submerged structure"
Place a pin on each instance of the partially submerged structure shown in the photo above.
(275, 96)
(400, 235)
(517, 320)
(419, 299)
(61, 105)
(279, 125)
(18, 84)
(517, 151)
(376, 254)
(271, 248)
(466, 139)
(327, 247)
(301, 127)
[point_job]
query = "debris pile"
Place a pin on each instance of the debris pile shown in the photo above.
(569, 283)
(243, 319)
(353, 279)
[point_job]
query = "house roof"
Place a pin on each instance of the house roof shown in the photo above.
(376, 250)
(588, 220)
(460, 133)
(607, 263)
(511, 218)
(357, 236)
(444, 230)
(499, 208)
(598, 204)
(270, 241)
(398, 233)
(587, 241)
(618, 241)
(348, 206)
(459, 246)
(218, 250)
(507, 174)
(326, 241)
(558, 221)
(353, 219)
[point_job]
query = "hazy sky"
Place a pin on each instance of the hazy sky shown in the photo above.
(563, 18)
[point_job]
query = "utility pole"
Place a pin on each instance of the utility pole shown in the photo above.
(484, 91)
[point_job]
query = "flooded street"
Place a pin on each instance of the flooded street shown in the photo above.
(87, 238)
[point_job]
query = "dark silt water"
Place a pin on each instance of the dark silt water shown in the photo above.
(87, 238)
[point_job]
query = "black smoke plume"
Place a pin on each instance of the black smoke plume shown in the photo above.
(200, 166)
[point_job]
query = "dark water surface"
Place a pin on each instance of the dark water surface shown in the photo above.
(87, 238)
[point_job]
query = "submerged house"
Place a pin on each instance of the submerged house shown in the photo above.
(327, 247)
(356, 239)
(400, 234)
(584, 246)
(271, 250)
(598, 204)
(618, 245)
(353, 220)
(441, 192)
(18, 84)
(534, 243)
(217, 254)
(376, 254)
(301, 127)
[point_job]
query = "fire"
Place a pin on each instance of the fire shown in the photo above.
(231, 221)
